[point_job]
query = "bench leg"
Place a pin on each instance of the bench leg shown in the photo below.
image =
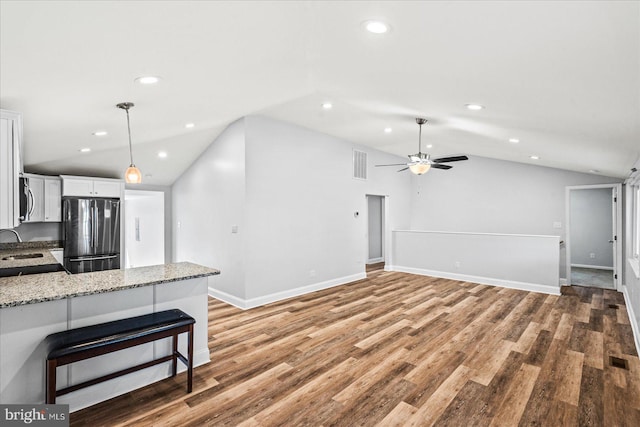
(50, 392)
(190, 358)
(174, 368)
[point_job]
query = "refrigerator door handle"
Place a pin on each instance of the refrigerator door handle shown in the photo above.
(90, 225)
(92, 258)
(95, 226)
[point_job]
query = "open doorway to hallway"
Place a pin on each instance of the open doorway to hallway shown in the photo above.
(592, 235)
(375, 233)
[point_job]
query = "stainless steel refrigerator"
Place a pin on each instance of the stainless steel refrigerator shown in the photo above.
(91, 231)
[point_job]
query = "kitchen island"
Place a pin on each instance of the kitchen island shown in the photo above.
(34, 306)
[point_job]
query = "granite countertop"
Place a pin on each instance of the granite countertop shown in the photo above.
(35, 288)
(46, 257)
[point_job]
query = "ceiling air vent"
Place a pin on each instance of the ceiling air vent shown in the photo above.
(359, 164)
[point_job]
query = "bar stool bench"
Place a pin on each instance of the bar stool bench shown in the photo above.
(84, 343)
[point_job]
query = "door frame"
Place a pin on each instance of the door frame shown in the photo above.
(617, 219)
(385, 229)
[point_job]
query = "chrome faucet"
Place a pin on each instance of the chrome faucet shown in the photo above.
(14, 232)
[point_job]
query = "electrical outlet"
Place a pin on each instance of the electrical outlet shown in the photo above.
(458, 264)
(592, 255)
(312, 273)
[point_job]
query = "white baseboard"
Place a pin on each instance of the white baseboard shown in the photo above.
(279, 296)
(563, 282)
(632, 318)
(595, 267)
(532, 287)
(375, 260)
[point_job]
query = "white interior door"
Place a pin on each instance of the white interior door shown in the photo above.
(144, 228)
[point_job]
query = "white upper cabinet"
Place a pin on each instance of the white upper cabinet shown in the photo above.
(10, 167)
(91, 187)
(52, 199)
(43, 198)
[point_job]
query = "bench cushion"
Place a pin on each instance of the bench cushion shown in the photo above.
(95, 336)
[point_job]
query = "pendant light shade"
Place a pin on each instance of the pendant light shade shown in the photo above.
(132, 175)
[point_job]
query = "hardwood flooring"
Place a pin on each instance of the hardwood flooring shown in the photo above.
(402, 350)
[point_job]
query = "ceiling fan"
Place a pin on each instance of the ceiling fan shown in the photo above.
(420, 163)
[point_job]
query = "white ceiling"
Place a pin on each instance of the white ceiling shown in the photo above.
(562, 77)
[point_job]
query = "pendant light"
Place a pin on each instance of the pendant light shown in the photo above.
(132, 175)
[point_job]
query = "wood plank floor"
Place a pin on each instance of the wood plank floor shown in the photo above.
(404, 350)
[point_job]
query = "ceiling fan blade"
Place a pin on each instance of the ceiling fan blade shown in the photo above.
(404, 169)
(393, 164)
(450, 159)
(439, 166)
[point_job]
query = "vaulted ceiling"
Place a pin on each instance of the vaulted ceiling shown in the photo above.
(563, 78)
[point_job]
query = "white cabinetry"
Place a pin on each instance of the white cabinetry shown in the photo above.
(44, 197)
(91, 187)
(10, 167)
(52, 199)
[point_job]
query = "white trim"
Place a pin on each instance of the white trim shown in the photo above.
(563, 282)
(632, 318)
(595, 267)
(477, 234)
(279, 296)
(375, 260)
(512, 284)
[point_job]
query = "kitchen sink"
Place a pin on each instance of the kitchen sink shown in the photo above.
(22, 256)
(30, 269)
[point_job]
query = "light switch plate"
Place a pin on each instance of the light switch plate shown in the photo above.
(557, 224)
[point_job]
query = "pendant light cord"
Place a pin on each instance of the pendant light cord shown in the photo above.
(420, 140)
(129, 130)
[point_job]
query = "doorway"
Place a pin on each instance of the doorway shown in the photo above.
(375, 232)
(593, 230)
(143, 228)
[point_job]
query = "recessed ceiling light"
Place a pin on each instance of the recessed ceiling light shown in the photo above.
(189, 125)
(474, 106)
(594, 171)
(429, 145)
(147, 80)
(85, 150)
(376, 27)
(327, 106)
(388, 130)
(100, 133)
(514, 140)
(534, 157)
(162, 154)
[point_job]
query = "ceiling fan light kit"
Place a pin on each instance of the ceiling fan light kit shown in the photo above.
(420, 163)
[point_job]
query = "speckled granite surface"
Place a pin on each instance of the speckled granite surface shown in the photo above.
(35, 288)
(46, 258)
(38, 244)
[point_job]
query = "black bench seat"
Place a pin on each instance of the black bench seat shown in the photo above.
(90, 341)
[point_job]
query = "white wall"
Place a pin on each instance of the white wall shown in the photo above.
(591, 227)
(146, 247)
(494, 196)
(291, 193)
(301, 200)
(510, 260)
(34, 231)
(208, 199)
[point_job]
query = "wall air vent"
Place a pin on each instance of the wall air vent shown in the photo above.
(359, 164)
